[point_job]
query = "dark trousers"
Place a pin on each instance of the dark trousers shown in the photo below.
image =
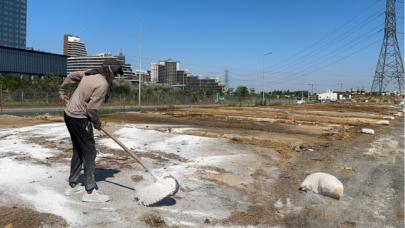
(84, 151)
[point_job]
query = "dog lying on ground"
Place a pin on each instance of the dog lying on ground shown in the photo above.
(324, 184)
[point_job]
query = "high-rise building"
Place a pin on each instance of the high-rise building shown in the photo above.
(154, 72)
(164, 72)
(72, 46)
(15, 58)
(79, 60)
(181, 77)
(168, 72)
(171, 72)
(84, 63)
(13, 23)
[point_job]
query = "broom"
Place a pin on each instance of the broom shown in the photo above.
(162, 187)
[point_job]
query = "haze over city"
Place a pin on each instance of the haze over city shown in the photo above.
(320, 42)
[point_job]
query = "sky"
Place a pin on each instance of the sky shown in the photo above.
(327, 43)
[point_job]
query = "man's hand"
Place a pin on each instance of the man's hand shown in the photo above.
(63, 98)
(99, 125)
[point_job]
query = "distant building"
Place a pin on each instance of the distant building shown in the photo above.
(210, 85)
(161, 73)
(31, 62)
(154, 72)
(330, 95)
(13, 23)
(192, 83)
(206, 85)
(84, 63)
(181, 77)
(15, 58)
(145, 77)
(80, 61)
(73, 47)
(169, 73)
(357, 92)
(164, 72)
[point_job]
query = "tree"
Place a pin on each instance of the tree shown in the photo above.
(242, 91)
(11, 82)
(121, 87)
(49, 83)
(229, 91)
(209, 92)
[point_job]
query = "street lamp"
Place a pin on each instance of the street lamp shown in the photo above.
(140, 62)
(312, 90)
(268, 53)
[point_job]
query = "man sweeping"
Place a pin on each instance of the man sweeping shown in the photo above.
(80, 116)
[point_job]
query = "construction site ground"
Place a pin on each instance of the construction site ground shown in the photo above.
(237, 166)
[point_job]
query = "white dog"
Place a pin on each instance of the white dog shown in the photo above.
(324, 184)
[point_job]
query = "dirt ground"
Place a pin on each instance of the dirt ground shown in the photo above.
(307, 138)
(373, 185)
(284, 128)
(8, 121)
(23, 217)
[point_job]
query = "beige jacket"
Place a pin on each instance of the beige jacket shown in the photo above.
(88, 96)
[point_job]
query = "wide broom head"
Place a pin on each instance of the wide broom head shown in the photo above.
(164, 187)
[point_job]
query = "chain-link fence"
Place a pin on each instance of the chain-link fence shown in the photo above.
(39, 97)
(15, 91)
(29, 97)
(42, 97)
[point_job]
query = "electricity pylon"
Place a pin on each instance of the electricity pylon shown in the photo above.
(390, 68)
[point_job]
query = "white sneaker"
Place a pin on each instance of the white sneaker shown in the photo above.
(95, 197)
(70, 191)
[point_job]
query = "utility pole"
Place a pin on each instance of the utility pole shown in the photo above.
(268, 53)
(184, 85)
(312, 89)
(1, 98)
(226, 78)
(341, 86)
(390, 67)
(140, 63)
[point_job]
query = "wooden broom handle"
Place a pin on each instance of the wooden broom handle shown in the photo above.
(126, 149)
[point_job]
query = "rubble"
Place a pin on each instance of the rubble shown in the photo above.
(383, 122)
(388, 118)
(367, 131)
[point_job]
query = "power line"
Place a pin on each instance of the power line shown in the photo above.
(331, 42)
(334, 62)
(307, 67)
(343, 58)
(218, 67)
(332, 53)
(335, 30)
(339, 50)
(254, 78)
